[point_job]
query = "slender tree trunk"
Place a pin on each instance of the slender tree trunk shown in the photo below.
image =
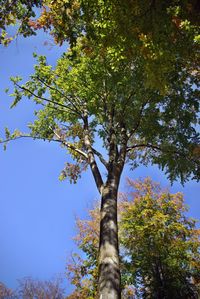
(109, 270)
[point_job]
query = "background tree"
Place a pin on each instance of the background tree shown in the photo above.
(51, 289)
(6, 292)
(159, 246)
(108, 84)
(162, 244)
(29, 288)
(83, 272)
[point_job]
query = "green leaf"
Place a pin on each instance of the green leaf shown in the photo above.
(7, 133)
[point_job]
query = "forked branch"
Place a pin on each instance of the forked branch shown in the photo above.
(100, 156)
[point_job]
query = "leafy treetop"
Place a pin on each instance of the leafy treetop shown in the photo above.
(130, 77)
(157, 32)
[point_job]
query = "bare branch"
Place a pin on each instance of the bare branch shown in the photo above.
(27, 136)
(124, 140)
(91, 158)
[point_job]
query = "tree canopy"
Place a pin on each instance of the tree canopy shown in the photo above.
(131, 66)
(105, 94)
(160, 34)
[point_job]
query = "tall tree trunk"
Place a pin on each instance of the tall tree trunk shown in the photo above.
(109, 270)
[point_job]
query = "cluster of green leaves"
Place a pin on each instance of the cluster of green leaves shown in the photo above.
(15, 12)
(159, 246)
(156, 32)
(113, 94)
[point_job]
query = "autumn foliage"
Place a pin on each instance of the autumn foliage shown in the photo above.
(162, 244)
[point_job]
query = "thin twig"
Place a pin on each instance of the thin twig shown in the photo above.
(157, 148)
(65, 143)
(44, 99)
(63, 95)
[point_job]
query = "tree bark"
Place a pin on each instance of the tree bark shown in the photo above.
(109, 269)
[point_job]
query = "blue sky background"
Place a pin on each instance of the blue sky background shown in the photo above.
(37, 211)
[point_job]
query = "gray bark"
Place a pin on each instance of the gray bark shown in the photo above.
(109, 269)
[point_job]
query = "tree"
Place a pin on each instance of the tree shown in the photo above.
(83, 273)
(161, 243)
(130, 67)
(51, 289)
(6, 292)
(159, 246)
(29, 288)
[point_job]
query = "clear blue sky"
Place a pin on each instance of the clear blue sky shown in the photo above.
(37, 211)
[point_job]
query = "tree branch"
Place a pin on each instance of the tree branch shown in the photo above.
(124, 140)
(158, 148)
(113, 150)
(68, 145)
(127, 99)
(51, 107)
(154, 147)
(45, 99)
(139, 120)
(91, 159)
(101, 158)
(63, 95)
